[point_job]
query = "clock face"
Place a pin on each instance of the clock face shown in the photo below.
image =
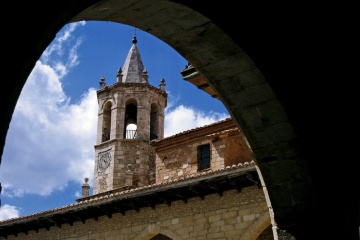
(104, 160)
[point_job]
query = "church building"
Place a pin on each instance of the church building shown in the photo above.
(198, 184)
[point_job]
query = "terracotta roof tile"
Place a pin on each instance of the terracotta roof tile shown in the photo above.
(117, 193)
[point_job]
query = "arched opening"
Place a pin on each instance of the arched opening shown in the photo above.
(171, 28)
(160, 237)
(130, 123)
(106, 122)
(107, 109)
(154, 122)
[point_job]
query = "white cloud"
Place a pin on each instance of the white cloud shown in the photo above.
(183, 118)
(50, 140)
(7, 212)
(56, 48)
(55, 55)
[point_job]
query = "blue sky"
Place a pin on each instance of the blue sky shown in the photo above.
(49, 148)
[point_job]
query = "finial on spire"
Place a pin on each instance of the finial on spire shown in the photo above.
(134, 40)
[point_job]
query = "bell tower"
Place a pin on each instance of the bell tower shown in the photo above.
(130, 115)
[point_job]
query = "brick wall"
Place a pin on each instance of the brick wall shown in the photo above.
(181, 161)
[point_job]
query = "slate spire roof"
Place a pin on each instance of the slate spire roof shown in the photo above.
(133, 70)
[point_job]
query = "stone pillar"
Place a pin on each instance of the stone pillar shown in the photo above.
(85, 188)
(129, 178)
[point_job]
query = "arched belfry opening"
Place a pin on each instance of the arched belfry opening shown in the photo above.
(154, 121)
(106, 122)
(130, 123)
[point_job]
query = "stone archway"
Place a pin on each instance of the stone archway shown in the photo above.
(156, 232)
(298, 66)
(237, 82)
(160, 237)
(224, 65)
(254, 231)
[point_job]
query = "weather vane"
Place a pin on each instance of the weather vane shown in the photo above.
(135, 31)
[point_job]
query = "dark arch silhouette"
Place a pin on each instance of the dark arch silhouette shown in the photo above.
(284, 73)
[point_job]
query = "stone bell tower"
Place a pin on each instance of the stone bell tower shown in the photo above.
(130, 115)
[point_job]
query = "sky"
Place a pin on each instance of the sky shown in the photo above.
(49, 147)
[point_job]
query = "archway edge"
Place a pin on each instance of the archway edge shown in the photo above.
(238, 83)
(254, 231)
(232, 74)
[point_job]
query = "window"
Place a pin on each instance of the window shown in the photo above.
(203, 157)
(154, 122)
(106, 122)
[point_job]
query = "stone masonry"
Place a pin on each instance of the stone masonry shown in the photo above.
(235, 215)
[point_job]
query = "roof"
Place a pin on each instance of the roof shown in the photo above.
(200, 185)
(194, 134)
(192, 75)
(133, 70)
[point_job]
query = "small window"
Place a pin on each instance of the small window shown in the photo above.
(203, 157)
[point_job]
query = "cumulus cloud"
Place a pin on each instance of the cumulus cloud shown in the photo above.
(7, 212)
(50, 140)
(182, 118)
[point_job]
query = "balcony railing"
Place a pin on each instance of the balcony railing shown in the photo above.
(131, 134)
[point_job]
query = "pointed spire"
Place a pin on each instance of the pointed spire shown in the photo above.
(133, 70)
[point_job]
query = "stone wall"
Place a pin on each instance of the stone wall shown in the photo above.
(128, 158)
(181, 161)
(235, 215)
